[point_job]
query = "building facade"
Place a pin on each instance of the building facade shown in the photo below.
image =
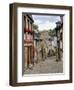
(59, 34)
(36, 45)
(28, 41)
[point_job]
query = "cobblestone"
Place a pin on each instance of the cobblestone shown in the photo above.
(48, 66)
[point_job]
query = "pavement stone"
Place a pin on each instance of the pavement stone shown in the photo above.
(48, 66)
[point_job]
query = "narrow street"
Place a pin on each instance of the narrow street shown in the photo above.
(48, 66)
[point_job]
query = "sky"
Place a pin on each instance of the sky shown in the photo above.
(45, 22)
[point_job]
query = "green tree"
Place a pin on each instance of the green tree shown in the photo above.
(52, 32)
(35, 27)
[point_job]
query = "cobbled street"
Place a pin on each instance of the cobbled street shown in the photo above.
(48, 66)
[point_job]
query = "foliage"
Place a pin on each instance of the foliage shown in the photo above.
(52, 32)
(35, 27)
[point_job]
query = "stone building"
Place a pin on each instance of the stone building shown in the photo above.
(59, 34)
(46, 44)
(36, 45)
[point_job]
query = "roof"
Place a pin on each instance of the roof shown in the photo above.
(29, 16)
